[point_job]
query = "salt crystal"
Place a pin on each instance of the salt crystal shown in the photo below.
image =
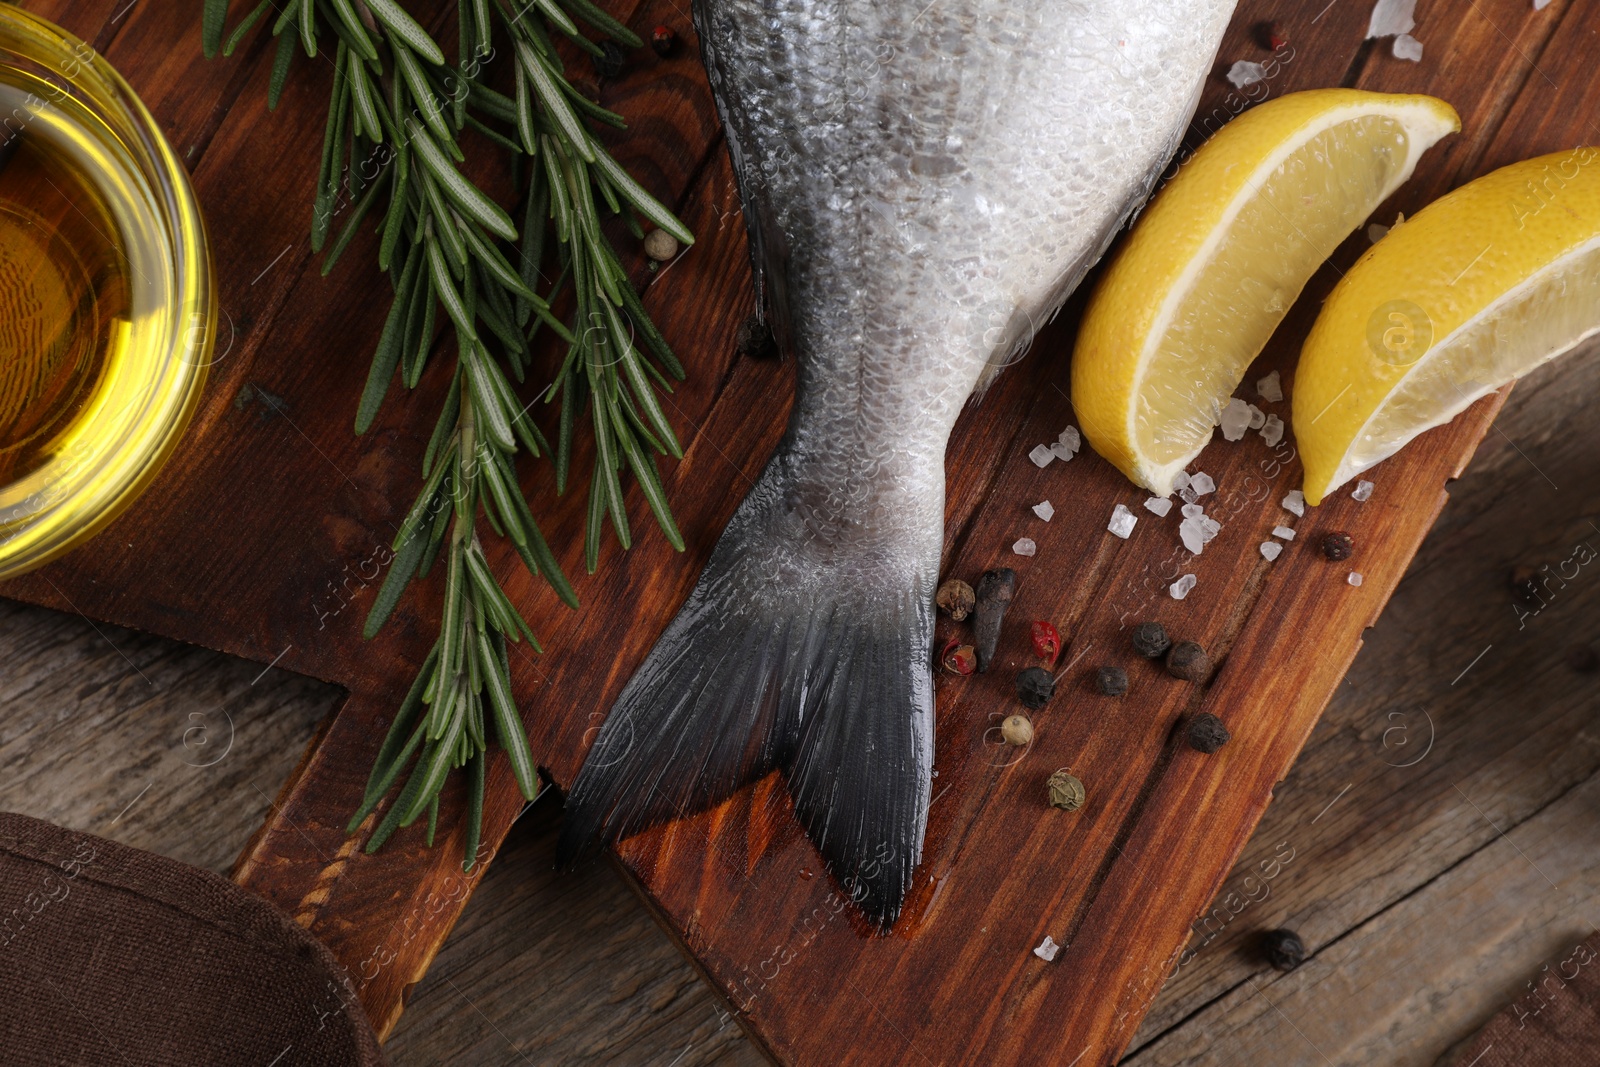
(1355, 578)
(1246, 73)
(1044, 510)
(1295, 502)
(1180, 480)
(1235, 420)
(1188, 495)
(1540, 5)
(1270, 388)
(1270, 550)
(1390, 17)
(1202, 483)
(1047, 949)
(1192, 511)
(1407, 47)
(1071, 438)
(1061, 451)
(1362, 491)
(1025, 547)
(1041, 455)
(1376, 232)
(1283, 532)
(1191, 534)
(1258, 418)
(1158, 505)
(1272, 431)
(1122, 521)
(1209, 527)
(1180, 588)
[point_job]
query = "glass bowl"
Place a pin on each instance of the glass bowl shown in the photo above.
(102, 357)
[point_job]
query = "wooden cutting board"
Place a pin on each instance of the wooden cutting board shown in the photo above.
(264, 538)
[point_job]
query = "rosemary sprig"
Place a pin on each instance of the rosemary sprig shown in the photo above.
(390, 151)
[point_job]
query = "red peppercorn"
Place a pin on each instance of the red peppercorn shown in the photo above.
(1046, 642)
(664, 39)
(958, 658)
(1270, 36)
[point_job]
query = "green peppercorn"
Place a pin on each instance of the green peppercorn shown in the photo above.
(1035, 687)
(1207, 733)
(1066, 792)
(955, 598)
(1283, 949)
(1111, 681)
(1150, 640)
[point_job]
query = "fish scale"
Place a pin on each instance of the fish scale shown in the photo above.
(924, 184)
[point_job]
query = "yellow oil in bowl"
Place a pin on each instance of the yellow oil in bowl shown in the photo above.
(107, 305)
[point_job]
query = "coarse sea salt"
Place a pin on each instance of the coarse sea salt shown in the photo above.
(1272, 431)
(1193, 536)
(1355, 578)
(1180, 588)
(1041, 455)
(1122, 521)
(1270, 550)
(1047, 949)
(1071, 438)
(1044, 510)
(1192, 511)
(1061, 451)
(1202, 483)
(1025, 546)
(1188, 495)
(1180, 480)
(1235, 420)
(1270, 388)
(1407, 47)
(1258, 418)
(1244, 73)
(1295, 502)
(1158, 505)
(1391, 17)
(1362, 492)
(1283, 532)
(1376, 232)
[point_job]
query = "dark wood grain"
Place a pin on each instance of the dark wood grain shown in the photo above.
(259, 538)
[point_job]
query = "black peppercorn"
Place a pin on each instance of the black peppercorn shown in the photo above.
(994, 596)
(755, 340)
(1206, 733)
(664, 39)
(1187, 660)
(1035, 687)
(610, 60)
(1283, 949)
(1338, 545)
(1111, 681)
(1150, 640)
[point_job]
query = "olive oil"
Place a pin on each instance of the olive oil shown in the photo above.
(65, 299)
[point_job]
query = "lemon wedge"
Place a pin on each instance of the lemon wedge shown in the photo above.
(1219, 256)
(1480, 287)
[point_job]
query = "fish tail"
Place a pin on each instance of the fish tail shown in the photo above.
(787, 654)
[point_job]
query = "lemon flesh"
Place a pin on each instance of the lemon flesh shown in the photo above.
(1482, 286)
(1221, 254)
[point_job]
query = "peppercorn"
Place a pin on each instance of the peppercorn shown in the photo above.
(1187, 660)
(664, 39)
(1339, 545)
(955, 598)
(1046, 641)
(610, 60)
(1066, 792)
(755, 339)
(993, 597)
(660, 245)
(959, 659)
(1150, 640)
(1283, 949)
(1035, 687)
(1017, 730)
(1207, 733)
(1111, 681)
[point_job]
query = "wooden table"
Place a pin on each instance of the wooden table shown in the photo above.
(1169, 824)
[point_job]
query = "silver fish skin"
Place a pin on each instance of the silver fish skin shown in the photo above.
(924, 184)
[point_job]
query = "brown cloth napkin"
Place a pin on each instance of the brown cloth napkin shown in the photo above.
(112, 956)
(1554, 1022)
